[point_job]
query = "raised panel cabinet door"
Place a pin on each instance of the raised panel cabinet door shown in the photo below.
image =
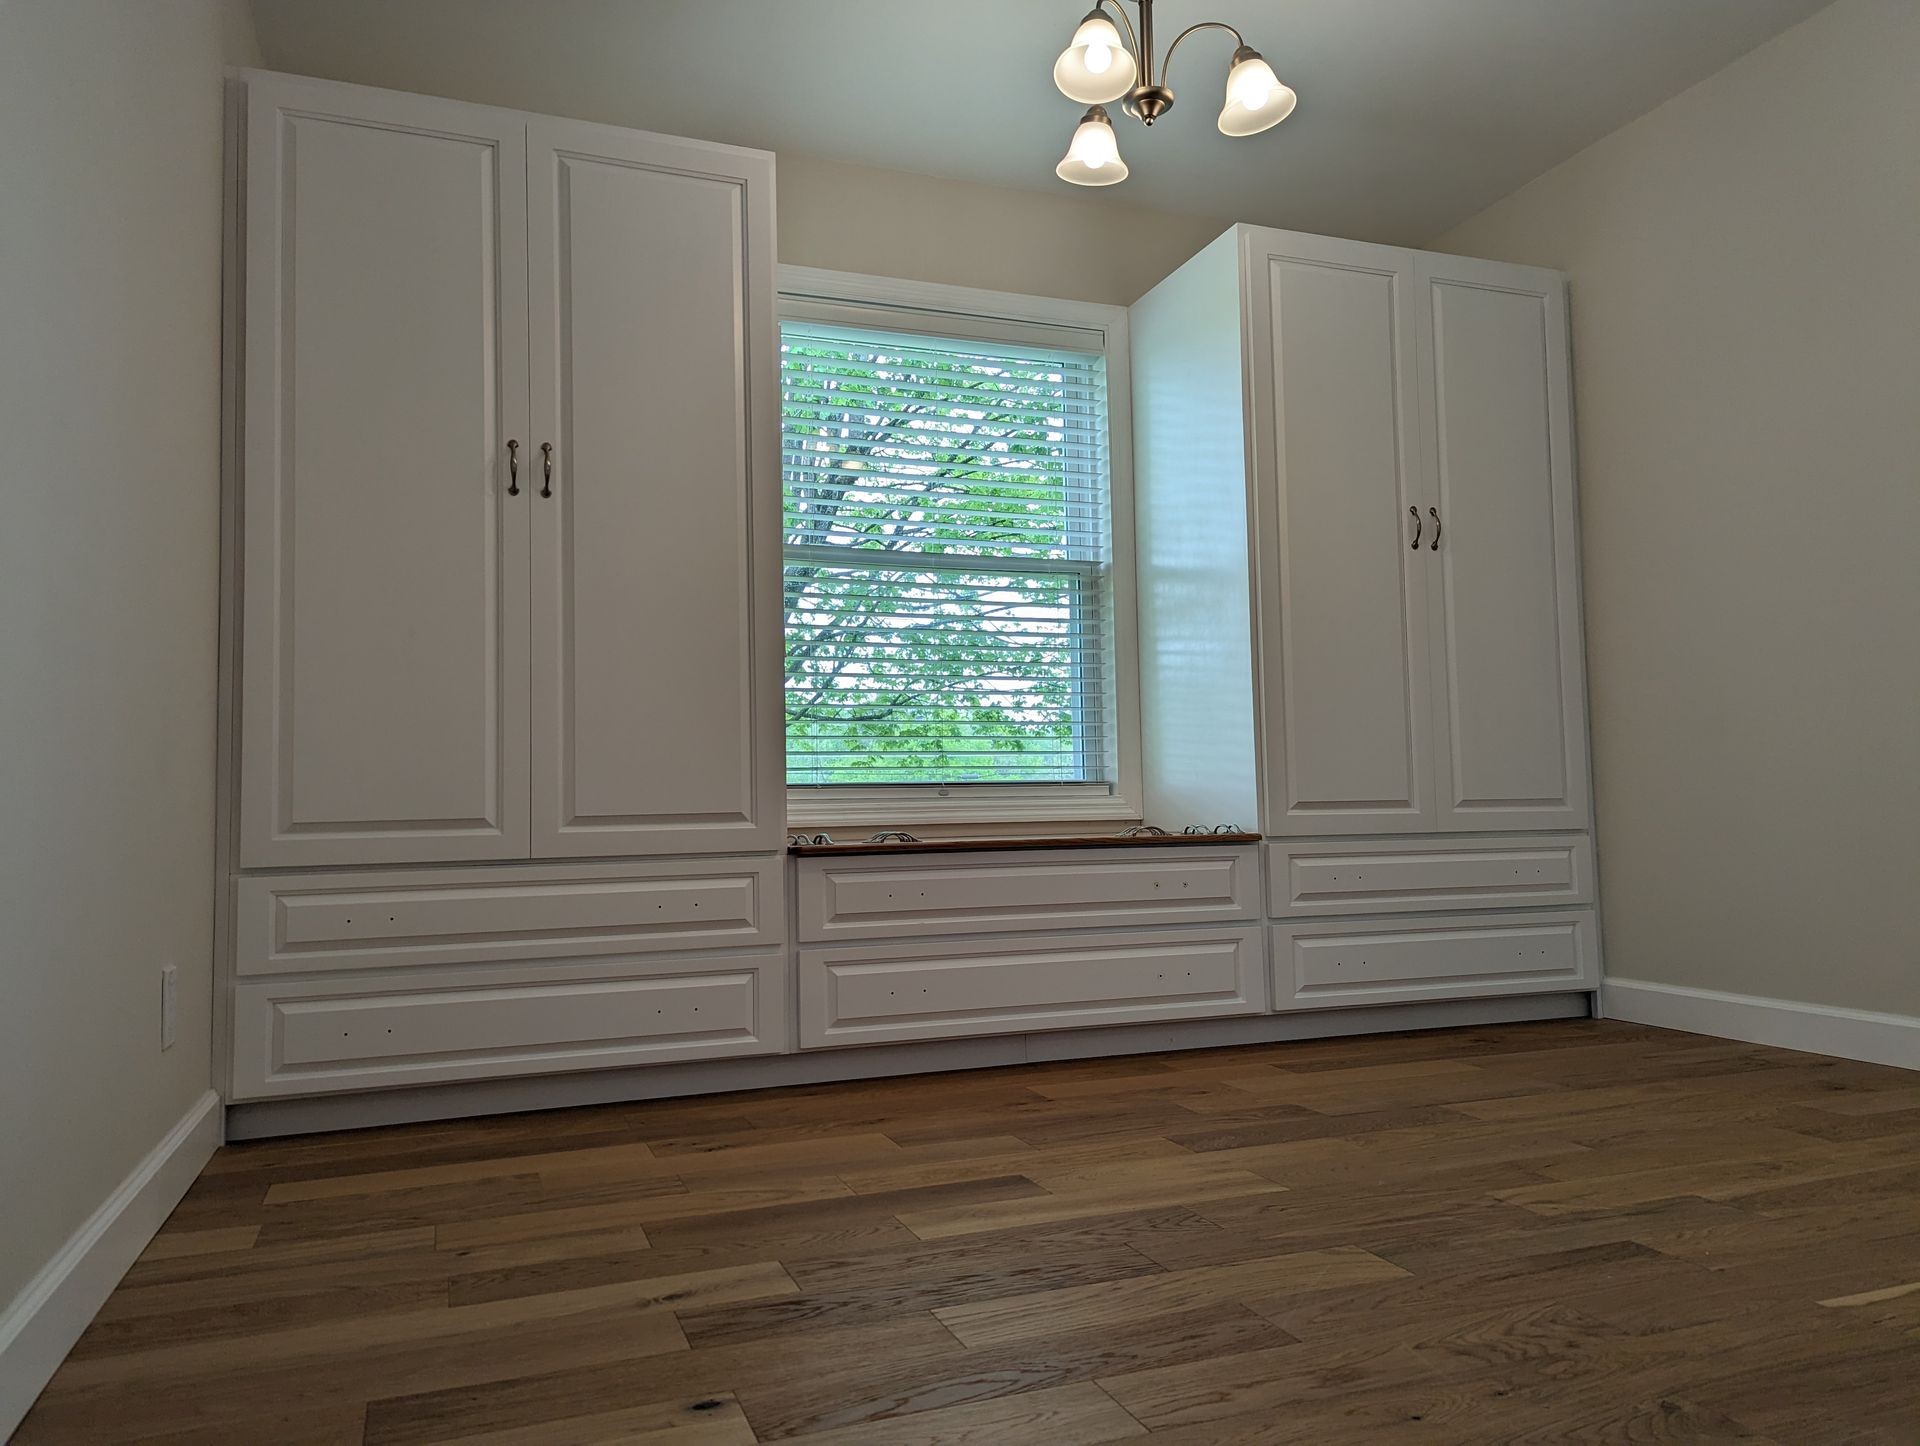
(1507, 657)
(1344, 634)
(384, 612)
(657, 631)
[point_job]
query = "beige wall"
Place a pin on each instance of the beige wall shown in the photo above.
(109, 470)
(896, 223)
(1745, 265)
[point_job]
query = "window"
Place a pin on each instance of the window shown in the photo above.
(951, 594)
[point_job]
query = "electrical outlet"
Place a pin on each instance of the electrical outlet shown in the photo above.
(169, 1005)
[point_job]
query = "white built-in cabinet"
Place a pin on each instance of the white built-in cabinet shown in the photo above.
(506, 646)
(1360, 608)
(1356, 514)
(510, 487)
(504, 640)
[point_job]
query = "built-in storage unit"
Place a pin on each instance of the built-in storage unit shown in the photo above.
(1360, 605)
(503, 747)
(506, 511)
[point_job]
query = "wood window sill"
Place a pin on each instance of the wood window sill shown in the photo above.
(1019, 841)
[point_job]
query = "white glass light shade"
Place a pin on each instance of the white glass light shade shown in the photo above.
(1256, 100)
(1093, 159)
(1096, 66)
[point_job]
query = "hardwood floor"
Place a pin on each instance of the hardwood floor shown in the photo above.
(1574, 1231)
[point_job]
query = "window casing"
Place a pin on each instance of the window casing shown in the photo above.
(957, 555)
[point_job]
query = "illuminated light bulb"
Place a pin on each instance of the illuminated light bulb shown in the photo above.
(1096, 66)
(1093, 159)
(1256, 100)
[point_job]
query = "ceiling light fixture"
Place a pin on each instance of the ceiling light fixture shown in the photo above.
(1099, 66)
(1094, 157)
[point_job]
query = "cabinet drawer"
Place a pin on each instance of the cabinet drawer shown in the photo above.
(1391, 876)
(870, 993)
(1015, 892)
(313, 1036)
(1336, 963)
(308, 923)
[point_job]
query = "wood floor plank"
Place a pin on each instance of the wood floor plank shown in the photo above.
(861, 1392)
(193, 1269)
(176, 1243)
(552, 1392)
(1036, 1164)
(1076, 1415)
(1101, 1198)
(902, 1281)
(327, 1426)
(611, 1158)
(702, 1421)
(445, 1323)
(1097, 1307)
(614, 1340)
(1565, 1231)
(621, 1211)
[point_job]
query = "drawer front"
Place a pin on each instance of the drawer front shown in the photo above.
(316, 1036)
(309, 923)
(1391, 876)
(1329, 964)
(873, 993)
(1018, 892)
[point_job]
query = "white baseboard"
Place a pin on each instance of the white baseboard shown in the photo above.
(1816, 1028)
(42, 1323)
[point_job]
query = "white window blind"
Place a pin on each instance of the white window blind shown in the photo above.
(947, 558)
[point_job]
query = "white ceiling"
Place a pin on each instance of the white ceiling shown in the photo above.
(1414, 114)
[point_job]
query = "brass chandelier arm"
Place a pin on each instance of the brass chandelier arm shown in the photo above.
(1166, 61)
(1133, 39)
(1142, 57)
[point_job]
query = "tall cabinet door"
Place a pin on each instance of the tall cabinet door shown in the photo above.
(1508, 669)
(384, 643)
(656, 653)
(1344, 632)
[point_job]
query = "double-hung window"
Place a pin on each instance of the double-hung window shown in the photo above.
(953, 606)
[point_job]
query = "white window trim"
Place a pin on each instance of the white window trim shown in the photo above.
(808, 292)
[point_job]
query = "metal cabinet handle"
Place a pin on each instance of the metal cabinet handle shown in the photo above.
(513, 467)
(1434, 512)
(1417, 525)
(546, 469)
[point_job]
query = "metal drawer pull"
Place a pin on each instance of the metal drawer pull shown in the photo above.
(546, 469)
(1417, 525)
(513, 467)
(1435, 513)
